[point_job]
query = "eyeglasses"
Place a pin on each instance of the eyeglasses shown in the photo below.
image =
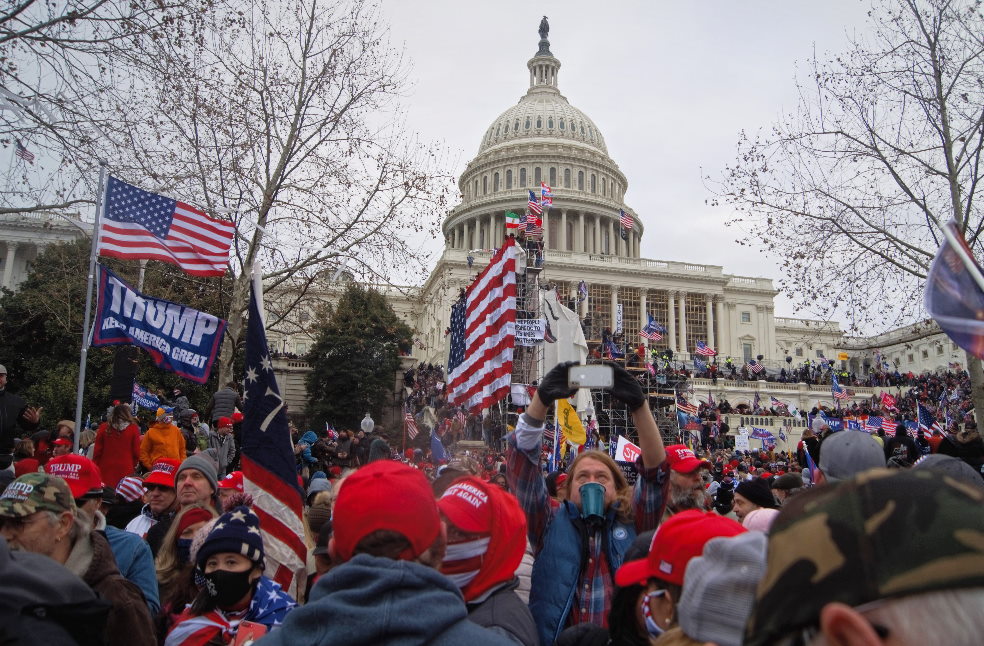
(157, 487)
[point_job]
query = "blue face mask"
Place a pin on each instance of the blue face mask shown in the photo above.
(184, 550)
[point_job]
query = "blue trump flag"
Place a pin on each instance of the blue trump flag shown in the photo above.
(178, 338)
(269, 471)
(954, 292)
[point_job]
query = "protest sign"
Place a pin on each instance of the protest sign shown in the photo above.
(530, 331)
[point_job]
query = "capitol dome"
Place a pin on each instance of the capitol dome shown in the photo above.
(544, 139)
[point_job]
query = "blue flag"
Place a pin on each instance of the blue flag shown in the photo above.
(953, 297)
(269, 468)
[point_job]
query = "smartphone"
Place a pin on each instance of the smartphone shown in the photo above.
(593, 376)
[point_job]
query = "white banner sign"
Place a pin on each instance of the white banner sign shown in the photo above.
(626, 451)
(741, 440)
(618, 318)
(530, 331)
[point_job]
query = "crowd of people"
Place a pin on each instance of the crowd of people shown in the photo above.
(150, 535)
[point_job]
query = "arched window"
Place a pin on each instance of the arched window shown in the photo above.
(580, 180)
(567, 178)
(522, 177)
(495, 182)
(485, 184)
(562, 125)
(475, 192)
(539, 122)
(604, 186)
(528, 123)
(582, 129)
(550, 123)
(553, 177)
(508, 179)
(594, 183)
(516, 126)
(497, 132)
(537, 176)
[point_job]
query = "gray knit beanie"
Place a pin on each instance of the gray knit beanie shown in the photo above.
(204, 464)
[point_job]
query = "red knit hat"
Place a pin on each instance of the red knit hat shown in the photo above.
(223, 422)
(680, 538)
(385, 495)
(81, 474)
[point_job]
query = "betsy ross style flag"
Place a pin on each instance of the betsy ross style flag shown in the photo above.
(269, 468)
(483, 334)
(138, 225)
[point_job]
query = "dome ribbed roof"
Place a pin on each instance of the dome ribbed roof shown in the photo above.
(539, 115)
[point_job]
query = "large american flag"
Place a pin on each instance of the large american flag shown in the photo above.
(483, 334)
(269, 473)
(704, 350)
(889, 425)
(137, 225)
(873, 423)
(533, 204)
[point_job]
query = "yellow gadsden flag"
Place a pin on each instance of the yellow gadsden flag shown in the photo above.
(571, 428)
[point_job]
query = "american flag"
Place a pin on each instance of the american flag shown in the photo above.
(269, 471)
(838, 391)
(137, 224)
(653, 330)
(873, 423)
(625, 219)
(927, 421)
(612, 351)
(704, 350)
(461, 417)
(754, 366)
(776, 403)
(483, 334)
(410, 424)
(685, 407)
(889, 425)
(651, 368)
(534, 225)
(331, 432)
(533, 204)
(548, 432)
(23, 152)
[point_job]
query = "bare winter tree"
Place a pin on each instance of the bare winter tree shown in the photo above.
(850, 190)
(285, 117)
(60, 61)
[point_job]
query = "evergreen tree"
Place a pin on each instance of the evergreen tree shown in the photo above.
(354, 359)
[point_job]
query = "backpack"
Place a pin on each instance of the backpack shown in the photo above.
(724, 498)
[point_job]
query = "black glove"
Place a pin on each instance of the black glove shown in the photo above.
(626, 389)
(554, 386)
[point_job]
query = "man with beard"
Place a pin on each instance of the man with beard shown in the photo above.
(686, 482)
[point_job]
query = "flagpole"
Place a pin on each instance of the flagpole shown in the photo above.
(86, 330)
(556, 438)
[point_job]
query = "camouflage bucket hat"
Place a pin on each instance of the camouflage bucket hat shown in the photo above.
(880, 535)
(34, 492)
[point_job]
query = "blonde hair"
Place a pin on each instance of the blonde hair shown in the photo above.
(168, 567)
(623, 491)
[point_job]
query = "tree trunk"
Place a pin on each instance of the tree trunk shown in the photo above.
(976, 369)
(234, 328)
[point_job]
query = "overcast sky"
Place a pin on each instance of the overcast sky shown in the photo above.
(670, 85)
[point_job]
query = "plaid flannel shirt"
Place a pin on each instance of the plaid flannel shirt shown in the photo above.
(595, 588)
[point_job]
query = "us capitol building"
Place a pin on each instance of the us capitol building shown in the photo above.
(543, 138)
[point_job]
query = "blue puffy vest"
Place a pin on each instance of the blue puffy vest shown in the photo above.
(557, 569)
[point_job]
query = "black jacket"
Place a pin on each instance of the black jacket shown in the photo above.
(12, 409)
